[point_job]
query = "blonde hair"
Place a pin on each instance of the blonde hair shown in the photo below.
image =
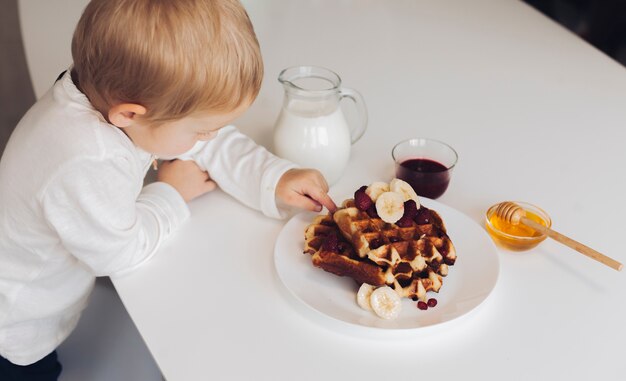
(174, 57)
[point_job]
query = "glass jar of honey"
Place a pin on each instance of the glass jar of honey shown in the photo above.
(517, 237)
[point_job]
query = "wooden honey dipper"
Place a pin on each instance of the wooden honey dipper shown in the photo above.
(515, 214)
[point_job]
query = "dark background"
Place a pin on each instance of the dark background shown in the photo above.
(602, 23)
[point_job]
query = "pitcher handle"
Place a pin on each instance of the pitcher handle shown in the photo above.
(356, 130)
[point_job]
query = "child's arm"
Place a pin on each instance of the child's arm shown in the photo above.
(250, 173)
(104, 217)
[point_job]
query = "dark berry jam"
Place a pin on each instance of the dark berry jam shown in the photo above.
(427, 177)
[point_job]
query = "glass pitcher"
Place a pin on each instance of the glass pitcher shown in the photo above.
(311, 129)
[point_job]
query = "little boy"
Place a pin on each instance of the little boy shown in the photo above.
(150, 79)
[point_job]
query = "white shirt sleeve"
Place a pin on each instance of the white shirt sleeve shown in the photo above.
(243, 169)
(105, 219)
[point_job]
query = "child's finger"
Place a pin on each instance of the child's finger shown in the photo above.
(323, 198)
(304, 202)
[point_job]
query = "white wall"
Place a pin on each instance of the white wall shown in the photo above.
(47, 28)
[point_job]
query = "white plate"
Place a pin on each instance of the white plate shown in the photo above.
(467, 285)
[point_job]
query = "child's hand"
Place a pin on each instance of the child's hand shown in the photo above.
(305, 189)
(186, 177)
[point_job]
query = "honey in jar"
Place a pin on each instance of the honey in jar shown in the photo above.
(517, 237)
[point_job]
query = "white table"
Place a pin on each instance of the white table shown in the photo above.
(535, 113)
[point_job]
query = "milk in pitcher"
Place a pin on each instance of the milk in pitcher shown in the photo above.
(314, 135)
(310, 129)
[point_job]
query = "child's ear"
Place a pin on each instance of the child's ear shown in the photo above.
(123, 115)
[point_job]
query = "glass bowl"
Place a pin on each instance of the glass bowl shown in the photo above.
(517, 237)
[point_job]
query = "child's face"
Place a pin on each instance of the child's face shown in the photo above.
(174, 138)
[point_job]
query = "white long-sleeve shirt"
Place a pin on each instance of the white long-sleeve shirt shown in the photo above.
(73, 207)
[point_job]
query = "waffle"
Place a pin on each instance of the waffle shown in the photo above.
(339, 259)
(410, 259)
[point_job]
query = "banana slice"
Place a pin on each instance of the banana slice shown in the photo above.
(363, 296)
(376, 189)
(406, 190)
(390, 206)
(386, 302)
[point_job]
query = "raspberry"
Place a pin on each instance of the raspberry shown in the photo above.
(371, 211)
(375, 243)
(410, 209)
(422, 305)
(423, 216)
(405, 221)
(331, 243)
(362, 200)
(432, 302)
